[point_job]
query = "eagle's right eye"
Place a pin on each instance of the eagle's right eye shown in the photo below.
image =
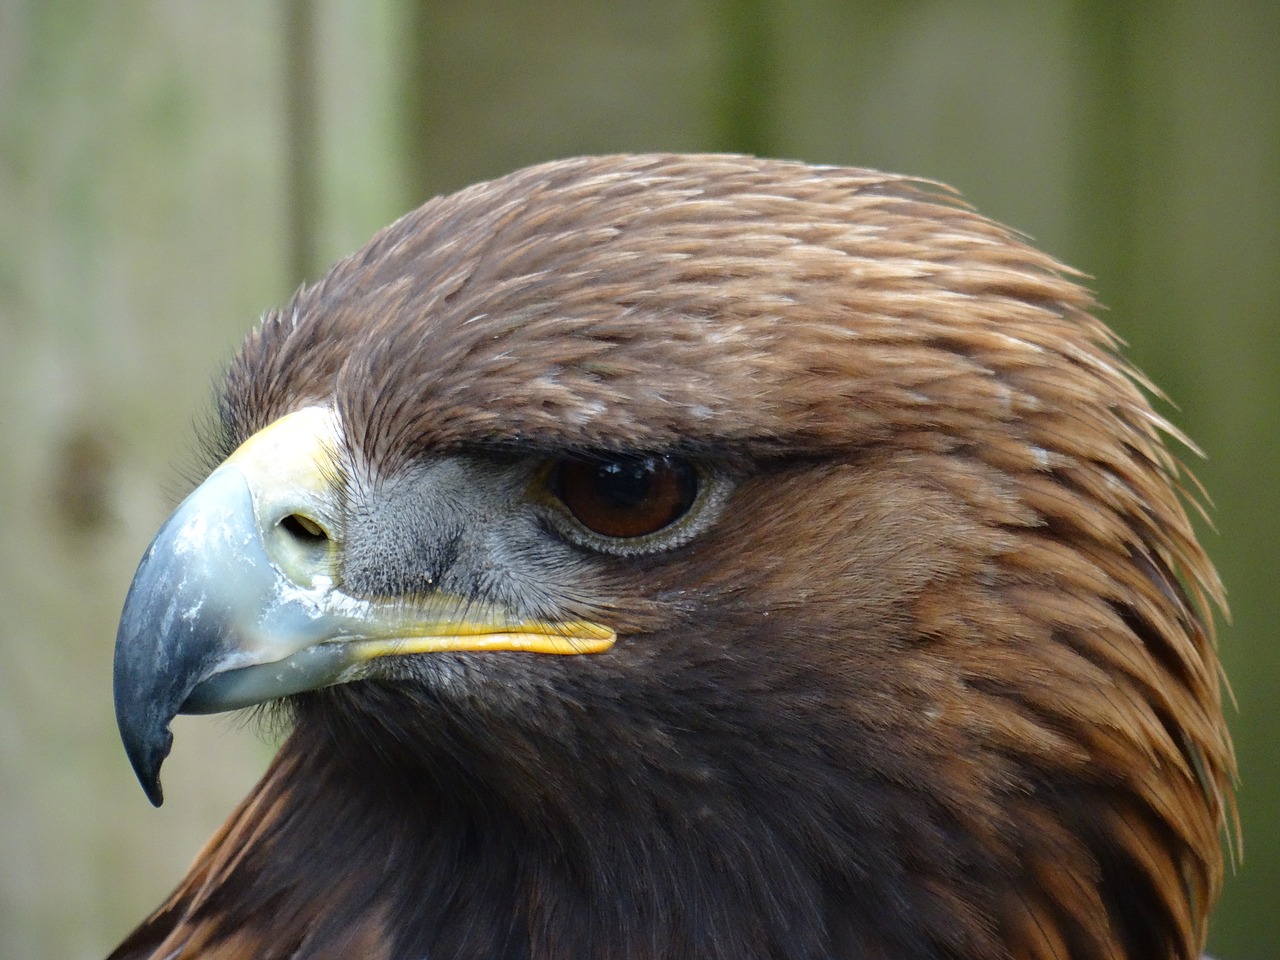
(628, 496)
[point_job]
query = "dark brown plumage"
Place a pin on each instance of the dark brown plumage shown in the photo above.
(918, 664)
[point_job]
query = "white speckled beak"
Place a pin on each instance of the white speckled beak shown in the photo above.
(236, 601)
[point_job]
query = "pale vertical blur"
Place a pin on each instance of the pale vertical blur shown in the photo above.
(144, 230)
(144, 173)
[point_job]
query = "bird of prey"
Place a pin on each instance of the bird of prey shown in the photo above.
(691, 557)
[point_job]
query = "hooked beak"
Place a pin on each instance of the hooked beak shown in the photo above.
(237, 600)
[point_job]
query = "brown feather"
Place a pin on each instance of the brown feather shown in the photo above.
(940, 682)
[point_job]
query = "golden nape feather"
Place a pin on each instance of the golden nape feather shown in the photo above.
(692, 556)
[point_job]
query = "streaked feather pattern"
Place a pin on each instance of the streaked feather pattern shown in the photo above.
(940, 682)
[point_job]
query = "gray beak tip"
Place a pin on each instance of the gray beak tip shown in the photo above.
(146, 766)
(144, 731)
(174, 626)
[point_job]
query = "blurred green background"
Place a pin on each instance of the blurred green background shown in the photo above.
(168, 170)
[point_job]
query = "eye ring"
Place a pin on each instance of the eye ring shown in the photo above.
(628, 504)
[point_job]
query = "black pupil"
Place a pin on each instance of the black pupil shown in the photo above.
(626, 483)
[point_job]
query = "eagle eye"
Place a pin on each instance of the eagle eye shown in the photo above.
(627, 496)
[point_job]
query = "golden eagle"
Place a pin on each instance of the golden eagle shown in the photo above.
(691, 556)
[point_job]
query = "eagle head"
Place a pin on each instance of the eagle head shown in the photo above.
(665, 556)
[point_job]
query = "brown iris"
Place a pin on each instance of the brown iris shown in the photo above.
(626, 497)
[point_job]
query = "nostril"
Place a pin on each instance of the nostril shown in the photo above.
(303, 549)
(303, 528)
